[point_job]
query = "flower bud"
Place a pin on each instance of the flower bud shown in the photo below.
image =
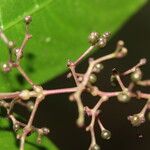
(98, 67)
(25, 95)
(28, 19)
(16, 127)
(45, 131)
(136, 75)
(123, 97)
(107, 35)
(105, 134)
(93, 37)
(136, 119)
(95, 147)
(30, 105)
(92, 78)
(102, 42)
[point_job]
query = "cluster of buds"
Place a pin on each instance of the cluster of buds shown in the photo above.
(99, 40)
(84, 83)
(124, 95)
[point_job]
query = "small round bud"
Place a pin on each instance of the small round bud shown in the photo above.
(25, 95)
(16, 51)
(105, 134)
(16, 127)
(38, 89)
(102, 42)
(39, 92)
(136, 120)
(71, 97)
(45, 130)
(30, 105)
(136, 75)
(122, 53)
(113, 80)
(93, 37)
(6, 68)
(120, 44)
(28, 19)
(95, 147)
(92, 78)
(98, 67)
(10, 44)
(123, 97)
(107, 35)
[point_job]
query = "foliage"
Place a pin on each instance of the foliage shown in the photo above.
(59, 30)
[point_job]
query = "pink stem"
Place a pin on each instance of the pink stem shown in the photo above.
(9, 95)
(59, 91)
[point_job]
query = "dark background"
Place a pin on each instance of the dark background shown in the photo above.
(59, 114)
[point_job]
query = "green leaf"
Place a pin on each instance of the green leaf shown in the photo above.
(60, 29)
(8, 140)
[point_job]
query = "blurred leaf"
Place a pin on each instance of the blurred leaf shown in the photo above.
(8, 140)
(60, 29)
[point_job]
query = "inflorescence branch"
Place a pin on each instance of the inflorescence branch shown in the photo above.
(84, 82)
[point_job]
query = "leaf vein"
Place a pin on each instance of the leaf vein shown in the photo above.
(30, 12)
